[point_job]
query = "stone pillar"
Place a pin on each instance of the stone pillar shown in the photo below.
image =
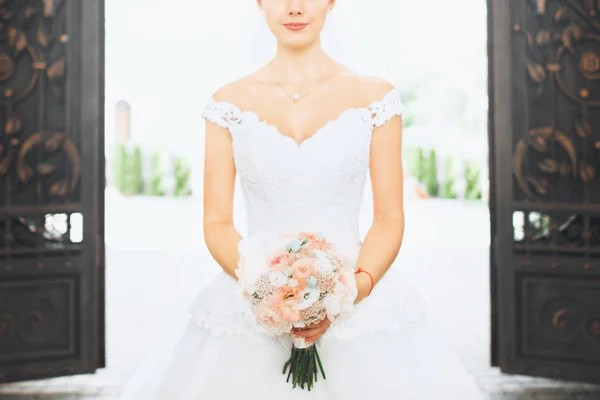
(123, 122)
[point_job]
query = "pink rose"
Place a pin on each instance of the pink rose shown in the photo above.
(284, 295)
(283, 302)
(289, 313)
(315, 241)
(308, 235)
(321, 245)
(279, 261)
(302, 269)
(271, 320)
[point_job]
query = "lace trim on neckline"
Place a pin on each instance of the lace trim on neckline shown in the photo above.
(226, 114)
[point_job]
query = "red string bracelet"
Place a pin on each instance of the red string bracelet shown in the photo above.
(359, 270)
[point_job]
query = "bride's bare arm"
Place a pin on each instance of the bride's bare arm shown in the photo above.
(220, 235)
(384, 238)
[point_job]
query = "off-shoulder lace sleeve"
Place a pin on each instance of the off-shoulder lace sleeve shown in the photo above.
(383, 110)
(222, 113)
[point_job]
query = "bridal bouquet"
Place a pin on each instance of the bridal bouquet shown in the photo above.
(302, 283)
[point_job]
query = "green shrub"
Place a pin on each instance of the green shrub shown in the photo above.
(448, 187)
(133, 182)
(182, 174)
(421, 166)
(155, 184)
(118, 160)
(472, 186)
(431, 179)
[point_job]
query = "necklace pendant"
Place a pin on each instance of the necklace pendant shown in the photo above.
(296, 96)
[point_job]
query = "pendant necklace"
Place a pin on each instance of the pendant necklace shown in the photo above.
(296, 96)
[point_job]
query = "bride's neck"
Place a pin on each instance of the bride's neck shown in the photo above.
(291, 65)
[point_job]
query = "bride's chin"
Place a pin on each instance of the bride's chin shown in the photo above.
(296, 43)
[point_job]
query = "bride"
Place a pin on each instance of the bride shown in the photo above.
(303, 133)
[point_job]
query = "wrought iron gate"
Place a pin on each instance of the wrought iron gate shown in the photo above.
(51, 188)
(545, 200)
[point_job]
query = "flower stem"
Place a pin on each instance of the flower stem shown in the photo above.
(301, 379)
(288, 362)
(315, 366)
(320, 365)
(293, 359)
(309, 370)
(304, 365)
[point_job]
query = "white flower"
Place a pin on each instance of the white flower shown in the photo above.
(308, 298)
(277, 278)
(333, 305)
(251, 288)
(311, 282)
(294, 246)
(324, 266)
(251, 265)
(292, 283)
(319, 253)
(287, 271)
(341, 290)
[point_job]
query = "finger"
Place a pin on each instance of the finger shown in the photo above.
(311, 339)
(322, 327)
(309, 332)
(324, 323)
(300, 329)
(313, 325)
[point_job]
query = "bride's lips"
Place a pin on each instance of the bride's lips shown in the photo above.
(296, 26)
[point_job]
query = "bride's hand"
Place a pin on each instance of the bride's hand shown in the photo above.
(312, 332)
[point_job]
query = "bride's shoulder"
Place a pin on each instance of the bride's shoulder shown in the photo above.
(225, 106)
(233, 92)
(368, 88)
(374, 89)
(241, 92)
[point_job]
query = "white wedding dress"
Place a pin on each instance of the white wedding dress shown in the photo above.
(386, 350)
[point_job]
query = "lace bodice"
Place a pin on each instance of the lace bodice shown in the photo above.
(313, 186)
(317, 185)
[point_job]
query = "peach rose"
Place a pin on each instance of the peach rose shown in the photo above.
(279, 261)
(284, 295)
(315, 241)
(288, 312)
(302, 269)
(271, 320)
(308, 235)
(283, 302)
(322, 245)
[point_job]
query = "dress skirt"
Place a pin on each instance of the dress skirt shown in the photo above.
(388, 349)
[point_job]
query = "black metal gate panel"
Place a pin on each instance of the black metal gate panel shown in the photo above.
(545, 196)
(51, 188)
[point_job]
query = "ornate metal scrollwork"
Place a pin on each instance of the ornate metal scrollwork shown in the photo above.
(561, 318)
(33, 64)
(561, 146)
(595, 329)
